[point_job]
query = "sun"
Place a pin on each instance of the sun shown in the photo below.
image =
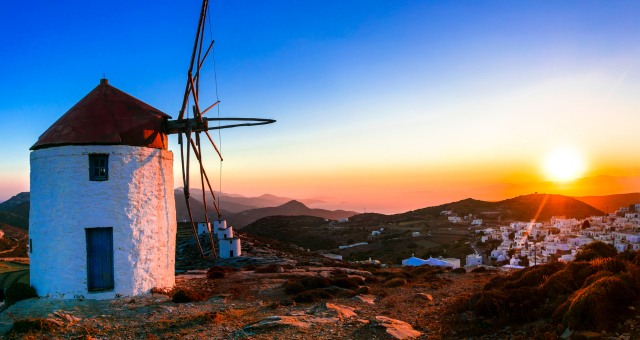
(564, 164)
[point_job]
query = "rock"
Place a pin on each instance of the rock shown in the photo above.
(396, 328)
(370, 299)
(588, 335)
(324, 320)
(342, 312)
(567, 334)
(275, 321)
(361, 279)
(424, 296)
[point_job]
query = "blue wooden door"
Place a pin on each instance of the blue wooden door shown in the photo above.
(99, 259)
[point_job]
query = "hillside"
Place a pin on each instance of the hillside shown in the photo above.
(15, 211)
(234, 203)
(197, 208)
(304, 231)
(611, 203)
(291, 208)
(526, 207)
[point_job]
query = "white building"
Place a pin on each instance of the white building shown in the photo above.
(415, 234)
(102, 219)
(230, 247)
(477, 221)
(204, 228)
(454, 219)
(473, 260)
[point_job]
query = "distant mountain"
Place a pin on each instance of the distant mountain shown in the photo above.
(15, 211)
(236, 203)
(611, 203)
(291, 208)
(526, 207)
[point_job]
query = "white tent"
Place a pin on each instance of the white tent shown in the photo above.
(436, 262)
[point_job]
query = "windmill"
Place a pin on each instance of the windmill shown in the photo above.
(102, 214)
(191, 128)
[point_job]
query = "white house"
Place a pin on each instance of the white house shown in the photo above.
(477, 221)
(415, 234)
(102, 219)
(375, 233)
(454, 219)
(473, 260)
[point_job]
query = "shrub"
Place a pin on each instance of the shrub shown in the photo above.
(595, 250)
(567, 280)
(30, 325)
(610, 264)
(459, 271)
(295, 286)
(187, 295)
(272, 268)
(347, 282)
(19, 291)
(397, 282)
(313, 295)
(595, 277)
(528, 277)
(515, 305)
(215, 274)
(611, 297)
(479, 270)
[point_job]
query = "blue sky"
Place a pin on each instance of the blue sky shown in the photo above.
(397, 99)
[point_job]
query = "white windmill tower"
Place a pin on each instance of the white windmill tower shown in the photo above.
(102, 219)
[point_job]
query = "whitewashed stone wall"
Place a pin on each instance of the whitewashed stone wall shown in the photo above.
(137, 202)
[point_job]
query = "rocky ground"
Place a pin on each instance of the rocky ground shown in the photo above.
(252, 302)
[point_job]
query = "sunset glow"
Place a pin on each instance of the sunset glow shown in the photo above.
(564, 164)
(388, 106)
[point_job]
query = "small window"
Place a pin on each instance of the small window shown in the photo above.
(98, 167)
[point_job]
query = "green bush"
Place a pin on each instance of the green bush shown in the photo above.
(19, 291)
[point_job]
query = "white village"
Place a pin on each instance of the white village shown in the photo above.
(561, 238)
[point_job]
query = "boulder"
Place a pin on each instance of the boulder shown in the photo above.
(396, 328)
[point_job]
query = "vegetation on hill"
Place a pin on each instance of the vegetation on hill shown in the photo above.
(594, 293)
(303, 231)
(527, 207)
(291, 208)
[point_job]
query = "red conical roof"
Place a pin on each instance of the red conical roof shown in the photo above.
(107, 116)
